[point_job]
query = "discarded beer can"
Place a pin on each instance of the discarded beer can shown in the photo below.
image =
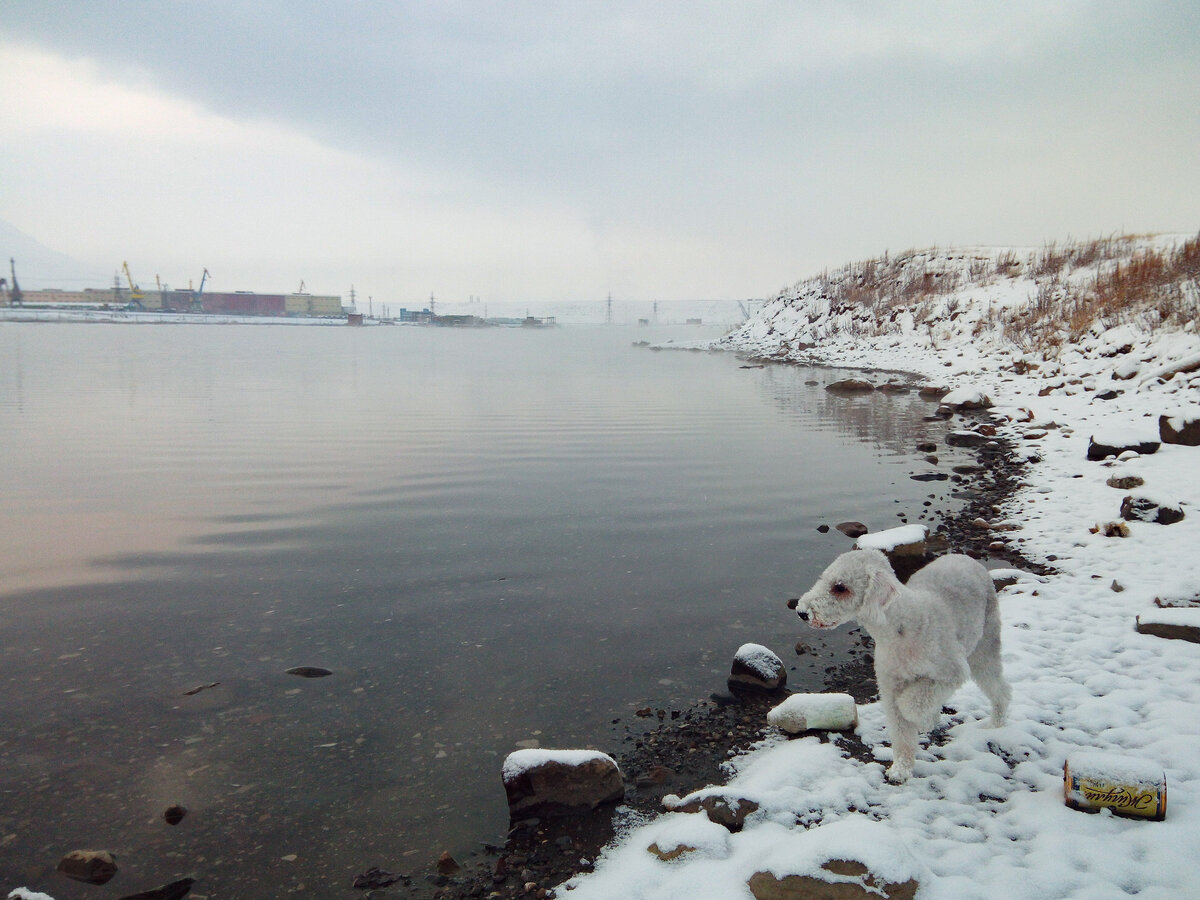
(1124, 784)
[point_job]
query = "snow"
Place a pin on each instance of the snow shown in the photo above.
(801, 712)
(26, 894)
(984, 816)
(1116, 769)
(521, 761)
(892, 538)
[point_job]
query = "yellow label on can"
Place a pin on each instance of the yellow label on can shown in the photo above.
(1135, 799)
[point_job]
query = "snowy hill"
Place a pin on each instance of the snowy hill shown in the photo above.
(993, 300)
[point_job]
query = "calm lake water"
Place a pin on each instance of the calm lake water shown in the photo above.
(490, 537)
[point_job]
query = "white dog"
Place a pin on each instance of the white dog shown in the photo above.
(929, 634)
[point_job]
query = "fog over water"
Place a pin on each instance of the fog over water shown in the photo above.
(490, 536)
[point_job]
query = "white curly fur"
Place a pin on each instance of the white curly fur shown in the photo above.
(930, 635)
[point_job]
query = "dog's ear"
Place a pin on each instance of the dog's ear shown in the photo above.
(881, 590)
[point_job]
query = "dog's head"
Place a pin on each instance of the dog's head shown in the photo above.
(855, 585)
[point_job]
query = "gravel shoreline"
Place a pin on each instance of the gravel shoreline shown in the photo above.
(676, 751)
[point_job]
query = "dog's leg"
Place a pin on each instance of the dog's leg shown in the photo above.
(920, 701)
(903, 734)
(988, 672)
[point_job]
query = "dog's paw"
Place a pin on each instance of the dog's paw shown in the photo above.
(897, 774)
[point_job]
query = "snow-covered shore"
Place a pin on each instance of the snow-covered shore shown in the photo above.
(985, 814)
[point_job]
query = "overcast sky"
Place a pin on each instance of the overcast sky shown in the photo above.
(561, 150)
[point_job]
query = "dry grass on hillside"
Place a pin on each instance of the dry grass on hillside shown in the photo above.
(1075, 286)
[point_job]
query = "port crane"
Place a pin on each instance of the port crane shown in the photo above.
(15, 297)
(197, 305)
(135, 293)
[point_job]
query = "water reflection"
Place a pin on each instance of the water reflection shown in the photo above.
(488, 537)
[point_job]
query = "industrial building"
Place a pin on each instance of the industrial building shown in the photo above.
(236, 303)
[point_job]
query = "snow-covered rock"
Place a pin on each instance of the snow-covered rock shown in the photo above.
(903, 540)
(546, 781)
(1181, 624)
(758, 668)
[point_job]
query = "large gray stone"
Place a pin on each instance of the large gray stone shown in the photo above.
(550, 782)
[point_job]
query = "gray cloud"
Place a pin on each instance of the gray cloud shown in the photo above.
(781, 136)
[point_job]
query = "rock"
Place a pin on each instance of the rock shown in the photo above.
(965, 399)
(1125, 482)
(1112, 529)
(927, 447)
(674, 852)
(823, 529)
(173, 891)
(757, 668)
(1135, 508)
(548, 782)
(930, 476)
(904, 540)
(90, 866)
(850, 386)
(814, 712)
(931, 392)
(655, 776)
(1183, 430)
(174, 814)
(893, 387)
(852, 529)
(1182, 624)
(966, 439)
(854, 882)
(1104, 447)
(309, 671)
(375, 878)
(447, 864)
(730, 812)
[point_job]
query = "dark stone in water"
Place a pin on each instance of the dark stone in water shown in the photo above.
(172, 891)
(853, 529)
(309, 671)
(930, 476)
(174, 814)
(90, 866)
(375, 877)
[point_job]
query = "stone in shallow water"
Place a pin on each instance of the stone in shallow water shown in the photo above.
(757, 668)
(309, 671)
(542, 782)
(90, 866)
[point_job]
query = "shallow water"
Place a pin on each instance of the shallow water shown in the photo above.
(490, 537)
